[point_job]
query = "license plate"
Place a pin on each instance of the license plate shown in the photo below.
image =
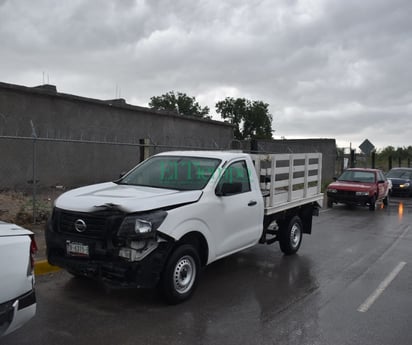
(77, 249)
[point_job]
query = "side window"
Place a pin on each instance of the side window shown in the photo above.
(235, 180)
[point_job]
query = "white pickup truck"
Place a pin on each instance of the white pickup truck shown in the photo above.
(17, 295)
(177, 212)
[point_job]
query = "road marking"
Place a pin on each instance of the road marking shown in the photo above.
(401, 237)
(381, 288)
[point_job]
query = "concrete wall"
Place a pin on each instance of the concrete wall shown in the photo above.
(82, 140)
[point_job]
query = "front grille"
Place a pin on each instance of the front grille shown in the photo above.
(97, 223)
(345, 193)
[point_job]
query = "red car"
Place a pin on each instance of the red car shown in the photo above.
(365, 187)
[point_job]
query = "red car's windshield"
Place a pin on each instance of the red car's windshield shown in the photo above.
(357, 176)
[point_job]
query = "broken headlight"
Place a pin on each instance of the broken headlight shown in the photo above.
(142, 225)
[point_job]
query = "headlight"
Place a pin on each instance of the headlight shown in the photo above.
(332, 190)
(362, 193)
(405, 185)
(141, 225)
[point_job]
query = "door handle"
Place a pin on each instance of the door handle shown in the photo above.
(252, 203)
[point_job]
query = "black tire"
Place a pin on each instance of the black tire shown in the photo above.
(290, 236)
(181, 274)
(386, 200)
(372, 204)
(329, 203)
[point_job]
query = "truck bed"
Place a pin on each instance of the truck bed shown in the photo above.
(289, 180)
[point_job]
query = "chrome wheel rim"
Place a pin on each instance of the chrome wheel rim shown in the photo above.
(184, 274)
(295, 235)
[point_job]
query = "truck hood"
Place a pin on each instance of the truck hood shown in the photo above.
(399, 180)
(352, 186)
(126, 198)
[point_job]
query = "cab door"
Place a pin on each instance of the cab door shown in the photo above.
(238, 210)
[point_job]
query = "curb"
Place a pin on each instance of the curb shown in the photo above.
(43, 267)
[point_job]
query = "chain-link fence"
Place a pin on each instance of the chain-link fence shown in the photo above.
(41, 168)
(351, 159)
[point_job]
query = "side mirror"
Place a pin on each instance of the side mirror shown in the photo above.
(335, 179)
(230, 189)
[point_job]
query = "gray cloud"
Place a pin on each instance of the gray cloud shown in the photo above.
(336, 69)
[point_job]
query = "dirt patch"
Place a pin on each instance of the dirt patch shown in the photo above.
(17, 207)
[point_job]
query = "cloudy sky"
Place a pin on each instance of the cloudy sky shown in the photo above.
(327, 68)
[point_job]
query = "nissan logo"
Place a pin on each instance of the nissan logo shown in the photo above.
(80, 225)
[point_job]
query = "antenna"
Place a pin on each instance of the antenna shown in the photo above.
(118, 92)
(44, 78)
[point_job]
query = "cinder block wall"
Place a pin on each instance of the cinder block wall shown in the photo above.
(82, 140)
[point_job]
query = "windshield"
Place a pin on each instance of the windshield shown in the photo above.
(172, 172)
(404, 174)
(357, 176)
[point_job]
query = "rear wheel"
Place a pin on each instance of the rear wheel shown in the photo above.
(290, 236)
(181, 274)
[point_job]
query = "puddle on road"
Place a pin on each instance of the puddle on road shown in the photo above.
(400, 210)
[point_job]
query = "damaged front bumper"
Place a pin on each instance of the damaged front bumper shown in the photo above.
(135, 266)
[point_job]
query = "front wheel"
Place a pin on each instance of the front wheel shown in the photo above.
(372, 204)
(181, 274)
(386, 200)
(290, 236)
(329, 203)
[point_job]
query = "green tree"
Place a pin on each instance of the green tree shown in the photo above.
(400, 156)
(387, 151)
(180, 102)
(250, 118)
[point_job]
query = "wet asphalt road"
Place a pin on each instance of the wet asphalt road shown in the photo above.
(257, 296)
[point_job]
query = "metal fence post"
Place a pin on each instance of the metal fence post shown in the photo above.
(352, 158)
(34, 172)
(144, 149)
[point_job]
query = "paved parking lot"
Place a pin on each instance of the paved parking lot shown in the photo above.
(349, 284)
